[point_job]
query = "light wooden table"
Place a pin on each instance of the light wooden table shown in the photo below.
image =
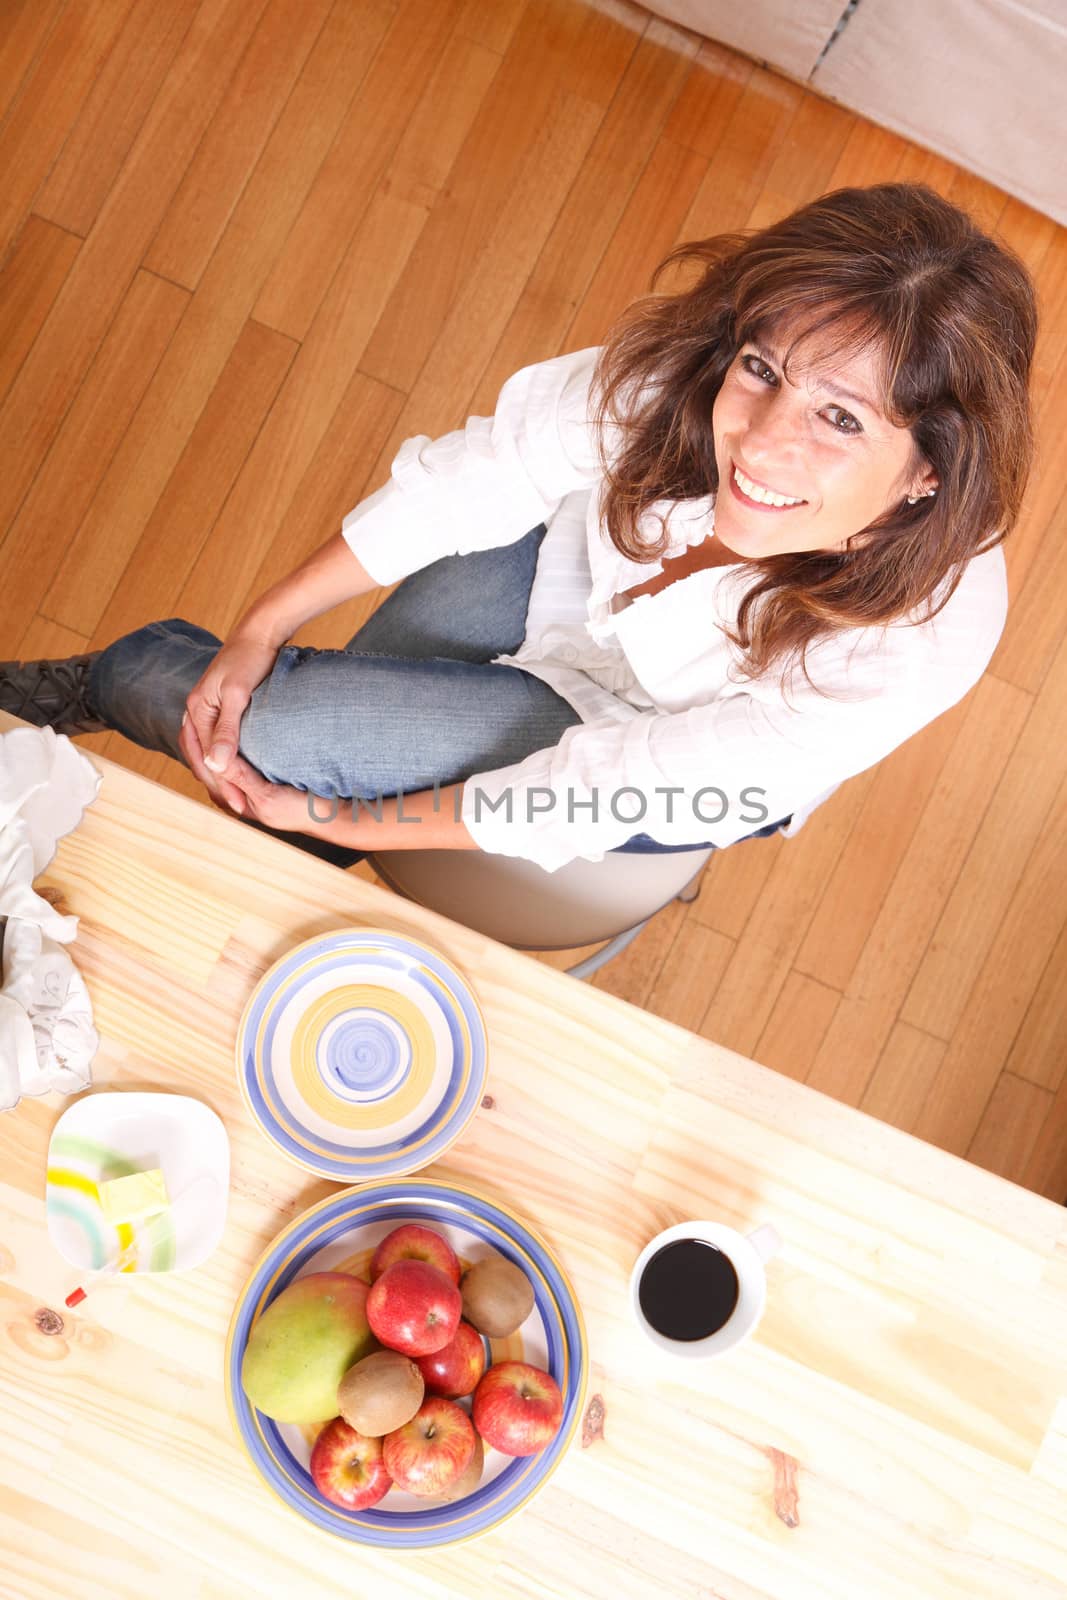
(896, 1428)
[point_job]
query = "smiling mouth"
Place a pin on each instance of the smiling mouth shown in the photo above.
(758, 498)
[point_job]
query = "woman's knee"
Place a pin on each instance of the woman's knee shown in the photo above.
(288, 730)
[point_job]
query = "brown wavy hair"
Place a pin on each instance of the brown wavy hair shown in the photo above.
(952, 316)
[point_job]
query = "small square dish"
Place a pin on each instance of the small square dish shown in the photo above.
(115, 1135)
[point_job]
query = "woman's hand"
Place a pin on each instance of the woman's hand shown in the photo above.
(216, 704)
(244, 792)
(276, 805)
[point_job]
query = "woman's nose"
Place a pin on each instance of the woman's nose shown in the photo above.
(771, 438)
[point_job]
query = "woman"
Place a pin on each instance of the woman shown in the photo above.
(674, 592)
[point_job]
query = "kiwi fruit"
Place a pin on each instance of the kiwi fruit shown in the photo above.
(469, 1478)
(497, 1296)
(380, 1393)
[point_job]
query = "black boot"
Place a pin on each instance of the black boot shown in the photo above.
(51, 694)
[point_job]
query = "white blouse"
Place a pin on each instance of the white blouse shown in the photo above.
(671, 742)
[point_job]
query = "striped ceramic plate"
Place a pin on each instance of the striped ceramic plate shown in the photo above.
(340, 1234)
(362, 1054)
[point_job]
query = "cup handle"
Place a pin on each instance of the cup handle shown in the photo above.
(766, 1241)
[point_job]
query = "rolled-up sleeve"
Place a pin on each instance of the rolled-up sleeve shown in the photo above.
(487, 483)
(714, 773)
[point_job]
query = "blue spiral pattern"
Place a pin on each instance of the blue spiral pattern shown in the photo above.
(362, 1058)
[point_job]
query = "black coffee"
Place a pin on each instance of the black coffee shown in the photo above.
(688, 1290)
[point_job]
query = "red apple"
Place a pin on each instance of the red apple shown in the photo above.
(413, 1242)
(517, 1408)
(455, 1369)
(432, 1451)
(348, 1467)
(414, 1308)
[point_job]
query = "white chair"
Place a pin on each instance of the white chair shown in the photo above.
(522, 905)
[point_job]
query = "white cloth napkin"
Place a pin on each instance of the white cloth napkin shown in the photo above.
(47, 1038)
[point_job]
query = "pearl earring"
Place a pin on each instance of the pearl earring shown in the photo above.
(913, 499)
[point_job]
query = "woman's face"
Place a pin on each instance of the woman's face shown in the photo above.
(820, 438)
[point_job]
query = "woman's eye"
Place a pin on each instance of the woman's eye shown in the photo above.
(853, 425)
(840, 421)
(755, 362)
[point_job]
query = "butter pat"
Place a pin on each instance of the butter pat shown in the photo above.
(142, 1194)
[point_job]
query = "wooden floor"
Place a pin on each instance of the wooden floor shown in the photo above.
(247, 247)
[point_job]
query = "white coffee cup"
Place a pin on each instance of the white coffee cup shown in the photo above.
(747, 1252)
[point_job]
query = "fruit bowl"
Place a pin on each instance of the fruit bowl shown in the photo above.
(361, 1054)
(340, 1234)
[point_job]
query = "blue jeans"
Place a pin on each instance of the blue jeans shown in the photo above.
(413, 698)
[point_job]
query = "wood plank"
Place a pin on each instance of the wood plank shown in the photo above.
(44, 638)
(897, 1089)
(864, 1019)
(982, 200)
(1039, 1052)
(796, 1026)
(1016, 829)
(1037, 618)
(685, 984)
(650, 226)
(435, 134)
(185, 378)
(714, 83)
(766, 949)
(809, 153)
(632, 974)
(180, 527)
(114, 112)
(918, 165)
(1030, 233)
(326, 225)
(108, 261)
(1009, 1129)
(1051, 280)
(1033, 549)
(91, 434)
(146, 763)
(293, 432)
(333, 484)
(27, 27)
(743, 156)
(492, 26)
(991, 892)
(1003, 988)
(33, 274)
(1046, 1170)
(55, 87)
(482, 179)
(584, 49)
(510, 248)
(255, 97)
(897, 791)
(590, 213)
(871, 154)
(733, 881)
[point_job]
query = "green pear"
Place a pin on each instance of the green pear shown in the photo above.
(303, 1344)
